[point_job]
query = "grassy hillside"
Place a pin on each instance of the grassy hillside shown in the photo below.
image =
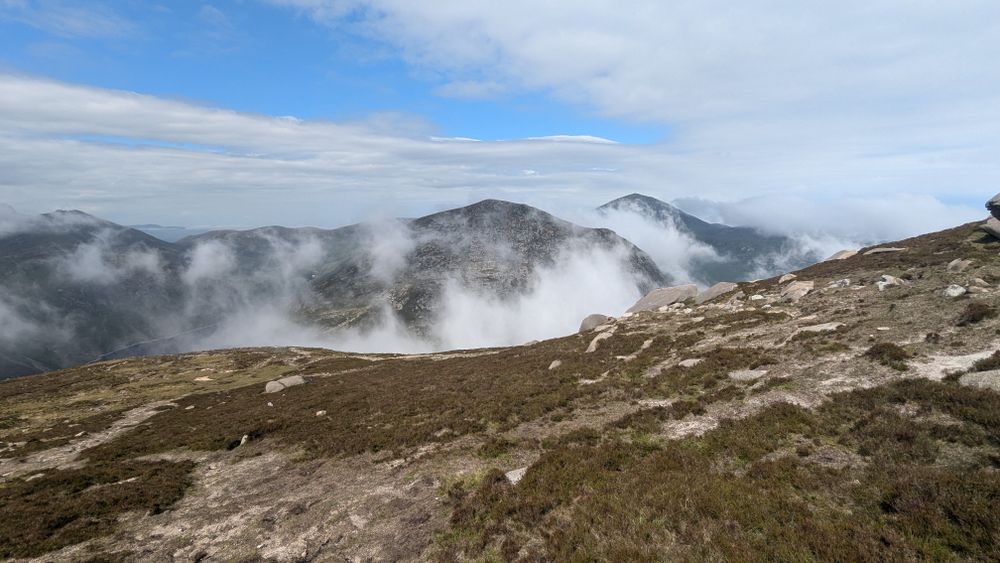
(853, 424)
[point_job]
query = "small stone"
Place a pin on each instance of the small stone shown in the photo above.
(757, 298)
(516, 475)
(189, 407)
(883, 329)
(273, 387)
(954, 291)
(839, 284)
(976, 290)
(245, 439)
(979, 282)
(959, 265)
(270, 404)
(555, 364)
(690, 363)
(888, 281)
(320, 413)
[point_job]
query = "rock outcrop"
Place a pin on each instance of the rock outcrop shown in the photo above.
(279, 385)
(994, 206)
(991, 227)
(716, 290)
(664, 297)
(842, 255)
(796, 290)
(590, 322)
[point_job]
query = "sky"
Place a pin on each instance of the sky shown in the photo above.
(801, 117)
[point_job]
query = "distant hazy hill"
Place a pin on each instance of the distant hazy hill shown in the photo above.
(745, 252)
(73, 286)
(76, 288)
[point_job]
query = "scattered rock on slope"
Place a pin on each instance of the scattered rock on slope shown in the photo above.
(593, 321)
(842, 255)
(663, 297)
(283, 383)
(959, 265)
(716, 290)
(796, 291)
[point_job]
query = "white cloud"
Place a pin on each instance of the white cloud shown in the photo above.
(141, 159)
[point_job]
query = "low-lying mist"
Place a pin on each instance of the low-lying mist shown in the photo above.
(218, 294)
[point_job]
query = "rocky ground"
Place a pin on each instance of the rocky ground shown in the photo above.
(847, 412)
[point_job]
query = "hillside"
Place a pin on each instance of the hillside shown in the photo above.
(849, 414)
(77, 288)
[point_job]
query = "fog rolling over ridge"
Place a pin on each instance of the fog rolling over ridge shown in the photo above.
(77, 288)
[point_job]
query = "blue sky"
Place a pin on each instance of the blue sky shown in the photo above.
(804, 117)
(260, 58)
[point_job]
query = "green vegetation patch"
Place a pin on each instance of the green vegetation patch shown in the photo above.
(66, 507)
(869, 476)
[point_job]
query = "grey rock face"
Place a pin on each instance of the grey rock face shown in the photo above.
(663, 297)
(590, 322)
(716, 290)
(954, 291)
(283, 383)
(994, 206)
(991, 227)
(796, 290)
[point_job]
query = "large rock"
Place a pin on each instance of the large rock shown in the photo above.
(991, 227)
(842, 255)
(283, 383)
(796, 290)
(888, 281)
(664, 297)
(716, 290)
(593, 321)
(994, 206)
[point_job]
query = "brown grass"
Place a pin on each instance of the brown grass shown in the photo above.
(732, 495)
(65, 507)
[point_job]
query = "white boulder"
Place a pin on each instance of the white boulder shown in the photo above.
(664, 296)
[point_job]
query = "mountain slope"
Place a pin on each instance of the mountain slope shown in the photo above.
(77, 288)
(744, 251)
(852, 421)
(493, 247)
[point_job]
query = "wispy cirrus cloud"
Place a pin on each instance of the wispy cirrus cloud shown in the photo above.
(68, 18)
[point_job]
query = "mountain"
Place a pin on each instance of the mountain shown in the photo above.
(494, 247)
(75, 286)
(848, 415)
(78, 288)
(743, 252)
